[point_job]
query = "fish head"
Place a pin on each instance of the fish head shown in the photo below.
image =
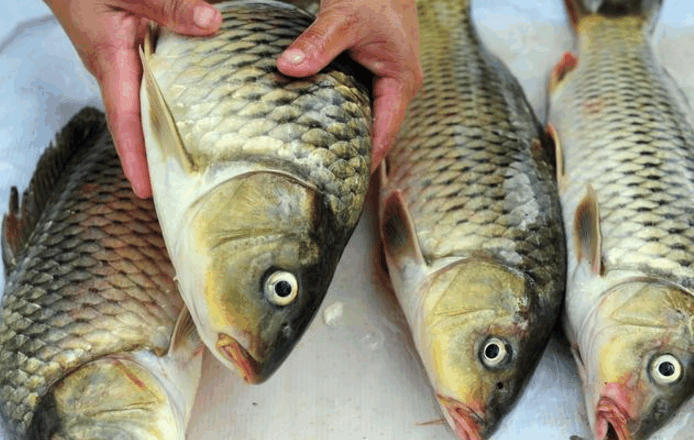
(108, 399)
(267, 247)
(481, 340)
(639, 368)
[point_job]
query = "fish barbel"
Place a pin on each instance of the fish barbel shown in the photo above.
(626, 185)
(95, 342)
(471, 225)
(258, 179)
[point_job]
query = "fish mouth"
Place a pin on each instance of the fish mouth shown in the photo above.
(611, 421)
(467, 422)
(232, 350)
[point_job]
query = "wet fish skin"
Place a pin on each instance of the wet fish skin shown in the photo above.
(258, 179)
(626, 190)
(90, 305)
(471, 225)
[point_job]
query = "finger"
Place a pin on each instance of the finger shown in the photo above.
(391, 97)
(188, 17)
(334, 30)
(120, 88)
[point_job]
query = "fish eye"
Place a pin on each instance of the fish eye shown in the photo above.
(666, 369)
(495, 352)
(281, 288)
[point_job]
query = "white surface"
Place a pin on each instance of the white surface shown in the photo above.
(355, 374)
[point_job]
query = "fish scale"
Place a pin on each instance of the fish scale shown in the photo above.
(458, 200)
(95, 280)
(258, 178)
(622, 130)
(262, 108)
(625, 136)
(471, 225)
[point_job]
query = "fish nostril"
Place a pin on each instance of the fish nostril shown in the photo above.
(286, 331)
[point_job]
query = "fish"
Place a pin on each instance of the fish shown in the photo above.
(624, 133)
(95, 342)
(471, 225)
(258, 179)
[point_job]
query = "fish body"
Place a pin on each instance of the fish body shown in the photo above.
(471, 225)
(94, 339)
(258, 179)
(626, 190)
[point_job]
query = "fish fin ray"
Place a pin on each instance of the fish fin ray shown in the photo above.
(184, 331)
(79, 134)
(383, 172)
(568, 62)
(160, 117)
(587, 231)
(398, 230)
(558, 156)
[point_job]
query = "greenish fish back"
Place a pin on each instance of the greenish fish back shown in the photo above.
(88, 275)
(231, 104)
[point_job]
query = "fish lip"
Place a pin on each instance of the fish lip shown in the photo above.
(248, 366)
(609, 412)
(467, 422)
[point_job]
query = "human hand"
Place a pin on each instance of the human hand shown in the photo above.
(107, 34)
(381, 35)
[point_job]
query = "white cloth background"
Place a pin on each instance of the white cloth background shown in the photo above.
(355, 374)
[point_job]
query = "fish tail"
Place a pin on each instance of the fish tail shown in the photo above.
(648, 10)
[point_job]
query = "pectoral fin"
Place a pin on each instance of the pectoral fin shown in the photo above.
(161, 120)
(567, 63)
(558, 156)
(398, 231)
(587, 236)
(184, 333)
(383, 172)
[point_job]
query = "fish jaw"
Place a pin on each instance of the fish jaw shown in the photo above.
(611, 420)
(465, 422)
(235, 352)
(246, 236)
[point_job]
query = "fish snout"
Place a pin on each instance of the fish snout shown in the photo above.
(611, 421)
(467, 423)
(232, 350)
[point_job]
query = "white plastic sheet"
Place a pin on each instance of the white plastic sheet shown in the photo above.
(354, 375)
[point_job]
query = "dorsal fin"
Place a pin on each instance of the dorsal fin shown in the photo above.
(587, 236)
(19, 222)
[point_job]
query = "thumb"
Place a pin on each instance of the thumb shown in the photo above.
(333, 31)
(188, 17)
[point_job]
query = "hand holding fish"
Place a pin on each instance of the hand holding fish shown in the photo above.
(106, 34)
(381, 35)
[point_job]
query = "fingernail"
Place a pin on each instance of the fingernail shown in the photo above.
(294, 56)
(204, 15)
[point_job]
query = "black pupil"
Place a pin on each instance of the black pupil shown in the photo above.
(283, 289)
(491, 351)
(666, 369)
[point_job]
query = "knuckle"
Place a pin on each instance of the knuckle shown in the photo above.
(336, 20)
(172, 11)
